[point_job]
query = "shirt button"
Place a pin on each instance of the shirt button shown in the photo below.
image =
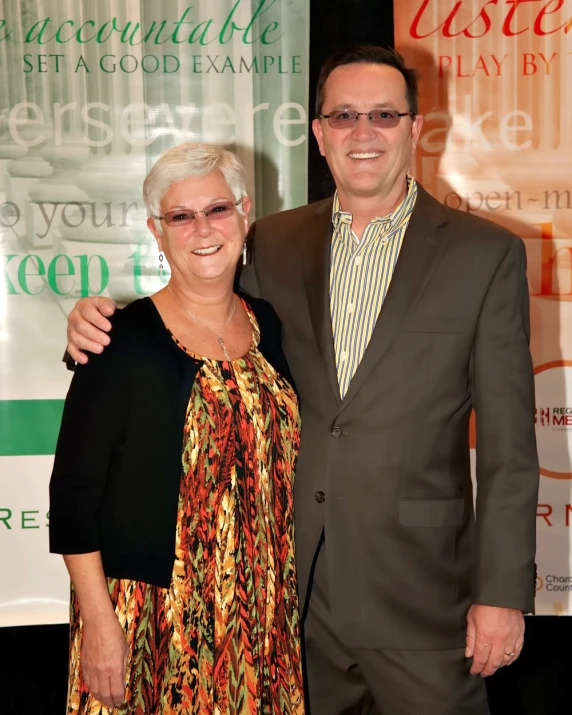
(358, 261)
(319, 497)
(351, 307)
(343, 357)
(336, 432)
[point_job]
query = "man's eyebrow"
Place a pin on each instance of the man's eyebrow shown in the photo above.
(375, 105)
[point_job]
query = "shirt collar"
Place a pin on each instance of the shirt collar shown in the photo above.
(393, 220)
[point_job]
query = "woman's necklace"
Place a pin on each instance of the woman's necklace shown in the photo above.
(219, 337)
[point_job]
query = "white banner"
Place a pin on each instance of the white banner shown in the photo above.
(92, 93)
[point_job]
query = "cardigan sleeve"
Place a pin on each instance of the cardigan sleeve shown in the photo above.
(91, 433)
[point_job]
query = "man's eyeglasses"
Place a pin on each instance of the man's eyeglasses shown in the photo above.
(383, 118)
(214, 212)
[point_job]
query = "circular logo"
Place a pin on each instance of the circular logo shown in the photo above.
(539, 583)
(553, 419)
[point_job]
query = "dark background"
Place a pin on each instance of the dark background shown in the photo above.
(33, 660)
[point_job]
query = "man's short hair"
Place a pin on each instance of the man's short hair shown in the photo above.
(369, 54)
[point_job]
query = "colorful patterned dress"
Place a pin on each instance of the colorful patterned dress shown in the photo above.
(224, 638)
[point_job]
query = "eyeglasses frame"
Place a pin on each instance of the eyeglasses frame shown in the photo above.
(200, 211)
(365, 114)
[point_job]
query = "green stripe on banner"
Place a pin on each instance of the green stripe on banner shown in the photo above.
(29, 426)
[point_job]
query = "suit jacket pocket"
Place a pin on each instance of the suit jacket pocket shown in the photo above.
(431, 512)
(434, 324)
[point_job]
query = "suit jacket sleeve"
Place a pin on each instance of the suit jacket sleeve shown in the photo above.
(91, 430)
(248, 279)
(507, 462)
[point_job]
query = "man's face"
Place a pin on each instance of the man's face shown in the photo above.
(367, 161)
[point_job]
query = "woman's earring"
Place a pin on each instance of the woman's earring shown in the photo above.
(161, 269)
(244, 252)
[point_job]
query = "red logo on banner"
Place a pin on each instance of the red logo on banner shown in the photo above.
(542, 416)
(554, 422)
(555, 419)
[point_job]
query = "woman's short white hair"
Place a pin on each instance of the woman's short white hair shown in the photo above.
(191, 159)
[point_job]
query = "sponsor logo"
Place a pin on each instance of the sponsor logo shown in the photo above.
(555, 583)
(553, 418)
(559, 417)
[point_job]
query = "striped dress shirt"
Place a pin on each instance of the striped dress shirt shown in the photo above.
(360, 274)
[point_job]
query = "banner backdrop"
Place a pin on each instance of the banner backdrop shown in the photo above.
(496, 92)
(91, 94)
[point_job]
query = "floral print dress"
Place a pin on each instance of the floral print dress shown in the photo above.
(224, 638)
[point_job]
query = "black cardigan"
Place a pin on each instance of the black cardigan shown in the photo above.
(116, 476)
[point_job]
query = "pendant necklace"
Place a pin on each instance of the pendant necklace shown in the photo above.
(218, 336)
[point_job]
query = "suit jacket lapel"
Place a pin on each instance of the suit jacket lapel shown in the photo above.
(418, 258)
(315, 256)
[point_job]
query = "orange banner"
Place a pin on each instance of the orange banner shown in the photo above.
(496, 93)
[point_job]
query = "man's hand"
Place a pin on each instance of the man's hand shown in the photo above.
(494, 637)
(103, 661)
(88, 326)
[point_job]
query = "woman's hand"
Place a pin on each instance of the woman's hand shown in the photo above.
(104, 649)
(103, 661)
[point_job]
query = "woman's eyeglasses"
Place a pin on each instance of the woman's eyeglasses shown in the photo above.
(383, 118)
(214, 212)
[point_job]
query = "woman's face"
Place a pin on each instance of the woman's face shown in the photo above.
(204, 249)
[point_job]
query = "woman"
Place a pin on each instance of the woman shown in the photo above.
(171, 495)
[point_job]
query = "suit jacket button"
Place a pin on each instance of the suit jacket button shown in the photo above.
(336, 432)
(319, 497)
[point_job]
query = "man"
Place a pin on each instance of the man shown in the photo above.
(399, 317)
